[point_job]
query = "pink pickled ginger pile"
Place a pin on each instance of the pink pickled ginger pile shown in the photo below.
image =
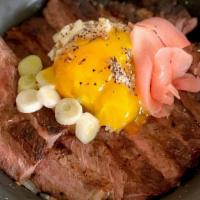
(161, 65)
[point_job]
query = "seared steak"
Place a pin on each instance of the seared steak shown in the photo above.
(48, 128)
(157, 155)
(29, 43)
(174, 146)
(24, 139)
(8, 75)
(191, 102)
(61, 175)
(187, 127)
(20, 50)
(22, 136)
(113, 166)
(21, 148)
(97, 158)
(57, 14)
(143, 179)
(39, 30)
(82, 9)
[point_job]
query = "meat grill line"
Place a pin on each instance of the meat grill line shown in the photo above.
(113, 166)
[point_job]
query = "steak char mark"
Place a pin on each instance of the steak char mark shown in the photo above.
(21, 148)
(47, 126)
(61, 175)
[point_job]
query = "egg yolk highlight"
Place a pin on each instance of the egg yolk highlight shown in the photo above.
(85, 73)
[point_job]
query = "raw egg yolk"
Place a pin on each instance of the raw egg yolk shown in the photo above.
(85, 73)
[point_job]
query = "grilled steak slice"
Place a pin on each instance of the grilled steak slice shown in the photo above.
(82, 9)
(8, 75)
(143, 179)
(170, 141)
(29, 43)
(156, 154)
(128, 12)
(191, 102)
(61, 175)
(21, 148)
(58, 14)
(24, 140)
(39, 29)
(22, 145)
(48, 128)
(171, 145)
(97, 158)
(187, 127)
(177, 136)
(20, 50)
